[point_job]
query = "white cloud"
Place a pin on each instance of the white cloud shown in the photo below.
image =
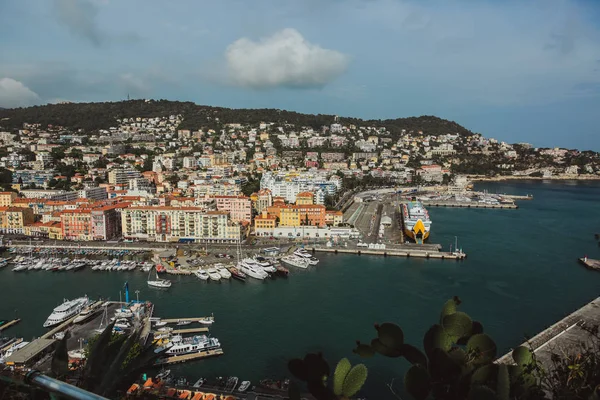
(283, 59)
(14, 94)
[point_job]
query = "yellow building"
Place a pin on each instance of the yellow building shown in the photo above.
(264, 224)
(304, 198)
(289, 217)
(55, 231)
(6, 198)
(334, 218)
(14, 219)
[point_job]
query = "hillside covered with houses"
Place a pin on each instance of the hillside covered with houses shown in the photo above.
(170, 171)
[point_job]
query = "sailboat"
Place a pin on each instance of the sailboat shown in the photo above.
(158, 283)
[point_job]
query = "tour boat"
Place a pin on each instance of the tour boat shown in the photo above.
(66, 310)
(295, 261)
(196, 345)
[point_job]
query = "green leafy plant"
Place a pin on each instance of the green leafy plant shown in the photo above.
(314, 370)
(457, 362)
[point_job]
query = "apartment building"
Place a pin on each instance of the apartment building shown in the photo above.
(238, 207)
(91, 223)
(14, 219)
(121, 176)
(6, 198)
(183, 224)
(261, 200)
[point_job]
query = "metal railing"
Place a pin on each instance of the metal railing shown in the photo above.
(37, 379)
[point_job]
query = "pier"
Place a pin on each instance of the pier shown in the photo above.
(442, 255)
(193, 319)
(9, 324)
(564, 337)
(190, 357)
(466, 204)
(190, 330)
(589, 263)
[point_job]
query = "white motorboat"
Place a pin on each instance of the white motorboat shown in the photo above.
(307, 256)
(160, 323)
(253, 270)
(295, 261)
(66, 310)
(207, 320)
(87, 313)
(158, 283)
(225, 274)
(163, 374)
(197, 344)
(213, 274)
(264, 264)
(201, 274)
(244, 386)
(182, 322)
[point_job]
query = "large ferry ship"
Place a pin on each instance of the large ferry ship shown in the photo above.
(66, 310)
(416, 221)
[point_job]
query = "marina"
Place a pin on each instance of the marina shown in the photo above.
(493, 286)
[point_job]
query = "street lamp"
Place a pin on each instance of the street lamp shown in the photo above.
(137, 295)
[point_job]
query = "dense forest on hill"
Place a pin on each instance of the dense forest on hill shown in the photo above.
(93, 116)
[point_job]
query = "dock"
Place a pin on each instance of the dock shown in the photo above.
(564, 337)
(9, 324)
(589, 263)
(190, 357)
(193, 319)
(466, 204)
(442, 255)
(190, 330)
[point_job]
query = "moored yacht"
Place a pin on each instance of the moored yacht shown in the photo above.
(66, 310)
(88, 312)
(223, 271)
(307, 256)
(251, 269)
(197, 344)
(213, 274)
(295, 261)
(201, 274)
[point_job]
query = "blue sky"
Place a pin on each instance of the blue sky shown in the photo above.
(526, 70)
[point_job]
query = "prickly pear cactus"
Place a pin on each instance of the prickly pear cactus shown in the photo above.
(354, 380)
(341, 371)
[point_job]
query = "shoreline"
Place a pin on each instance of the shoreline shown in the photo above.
(478, 178)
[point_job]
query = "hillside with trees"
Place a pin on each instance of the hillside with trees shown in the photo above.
(91, 117)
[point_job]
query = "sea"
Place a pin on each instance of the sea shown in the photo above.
(521, 275)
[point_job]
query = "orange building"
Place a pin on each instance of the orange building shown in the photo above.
(305, 198)
(297, 215)
(334, 218)
(100, 222)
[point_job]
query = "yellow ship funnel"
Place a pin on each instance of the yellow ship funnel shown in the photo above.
(419, 232)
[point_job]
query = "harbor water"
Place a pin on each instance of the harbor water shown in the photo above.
(521, 275)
